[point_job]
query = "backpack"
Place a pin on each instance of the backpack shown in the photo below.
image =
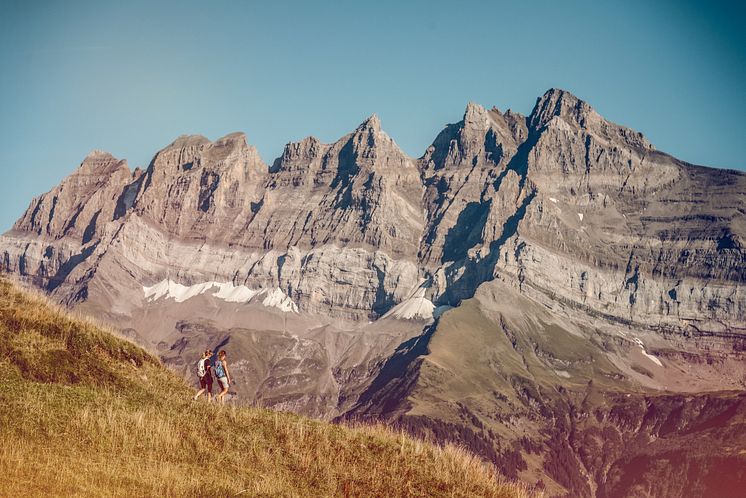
(201, 371)
(219, 372)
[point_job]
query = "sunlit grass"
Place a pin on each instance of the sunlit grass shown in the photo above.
(84, 413)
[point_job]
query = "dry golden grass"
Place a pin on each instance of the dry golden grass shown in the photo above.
(83, 413)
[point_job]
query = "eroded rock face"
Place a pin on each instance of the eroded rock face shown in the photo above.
(361, 191)
(612, 218)
(73, 208)
(581, 405)
(561, 202)
(579, 260)
(571, 205)
(199, 189)
(462, 171)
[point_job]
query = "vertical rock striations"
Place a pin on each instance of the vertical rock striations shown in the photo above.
(581, 262)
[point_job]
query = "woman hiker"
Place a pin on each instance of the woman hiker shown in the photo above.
(204, 372)
(223, 375)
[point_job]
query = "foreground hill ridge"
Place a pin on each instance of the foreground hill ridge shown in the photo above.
(94, 408)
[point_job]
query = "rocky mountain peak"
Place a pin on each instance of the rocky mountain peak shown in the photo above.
(370, 142)
(101, 164)
(561, 103)
(370, 133)
(373, 123)
(233, 151)
(307, 148)
(237, 138)
(561, 109)
(190, 153)
(98, 154)
(192, 186)
(476, 117)
(481, 137)
(188, 141)
(81, 204)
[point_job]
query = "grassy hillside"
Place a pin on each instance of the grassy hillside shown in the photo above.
(85, 413)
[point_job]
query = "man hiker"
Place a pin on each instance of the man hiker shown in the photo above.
(204, 372)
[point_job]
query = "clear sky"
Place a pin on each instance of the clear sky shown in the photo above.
(130, 76)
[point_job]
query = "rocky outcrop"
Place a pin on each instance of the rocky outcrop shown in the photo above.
(560, 203)
(361, 191)
(463, 170)
(73, 208)
(203, 190)
(632, 229)
(565, 203)
(62, 228)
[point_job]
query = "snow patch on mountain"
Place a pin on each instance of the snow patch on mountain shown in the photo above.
(652, 358)
(168, 289)
(415, 307)
(235, 294)
(278, 299)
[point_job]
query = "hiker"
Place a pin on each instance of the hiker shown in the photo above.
(223, 375)
(204, 372)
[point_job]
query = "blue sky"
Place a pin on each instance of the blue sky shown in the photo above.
(128, 77)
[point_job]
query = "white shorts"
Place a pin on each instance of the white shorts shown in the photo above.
(223, 381)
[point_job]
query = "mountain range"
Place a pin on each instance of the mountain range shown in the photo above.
(549, 290)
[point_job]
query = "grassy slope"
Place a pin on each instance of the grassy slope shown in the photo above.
(85, 413)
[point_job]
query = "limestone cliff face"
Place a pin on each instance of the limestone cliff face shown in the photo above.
(633, 229)
(461, 169)
(581, 262)
(563, 204)
(343, 222)
(361, 191)
(570, 207)
(199, 189)
(62, 228)
(73, 208)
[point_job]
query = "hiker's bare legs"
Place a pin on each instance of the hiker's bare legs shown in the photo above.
(198, 394)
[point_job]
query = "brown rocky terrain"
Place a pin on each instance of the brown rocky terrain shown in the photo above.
(550, 290)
